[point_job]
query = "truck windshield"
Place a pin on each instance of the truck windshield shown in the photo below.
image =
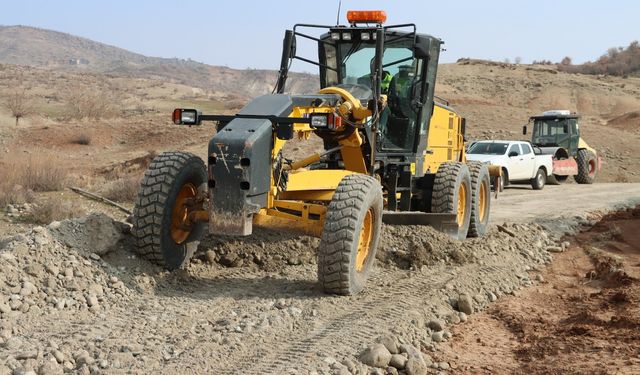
(488, 148)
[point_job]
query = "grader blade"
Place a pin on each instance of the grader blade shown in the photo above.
(445, 223)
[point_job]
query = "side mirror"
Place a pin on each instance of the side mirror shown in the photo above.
(524, 130)
(513, 153)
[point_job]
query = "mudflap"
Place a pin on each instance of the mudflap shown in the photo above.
(445, 223)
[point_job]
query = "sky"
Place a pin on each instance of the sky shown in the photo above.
(248, 34)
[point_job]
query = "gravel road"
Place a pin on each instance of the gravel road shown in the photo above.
(252, 305)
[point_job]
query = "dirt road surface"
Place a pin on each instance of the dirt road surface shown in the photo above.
(64, 307)
(519, 203)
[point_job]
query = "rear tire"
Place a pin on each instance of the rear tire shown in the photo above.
(587, 167)
(537, 182)
(452, 180)
(480, 198)
(350, 235)
(172, 177)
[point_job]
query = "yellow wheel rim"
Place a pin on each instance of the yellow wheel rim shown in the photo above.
(364, 241)
(482, 201)
(462, 204)
(181, 226)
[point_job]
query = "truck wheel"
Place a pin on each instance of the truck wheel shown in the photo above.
(505, 178)
(161, 227)
(350, 235)
(554, 179)
(587, 167)
(537, 182)
(480, 198)
(452, 194)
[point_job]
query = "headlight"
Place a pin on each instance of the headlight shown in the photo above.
(365, 36)
(183, 116)
(325, 121)
(335, 36)
(319, 121)
(346, 36)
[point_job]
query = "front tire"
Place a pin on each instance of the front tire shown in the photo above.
(537, 182)
(452, 194)
(480, 198)
(350, 236)
(587, 167)
(554, 179)
(161, 229)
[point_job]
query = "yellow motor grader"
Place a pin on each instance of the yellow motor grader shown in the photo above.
(391, 154)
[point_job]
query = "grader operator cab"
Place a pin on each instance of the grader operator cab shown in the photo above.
(390, 154)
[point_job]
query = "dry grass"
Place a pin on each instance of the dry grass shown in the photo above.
(89, 104)
(54, 210)
(123, 190)
(15, 194)
(37, 173)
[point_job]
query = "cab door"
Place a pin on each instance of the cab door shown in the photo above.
(515, 166)
(529, 160)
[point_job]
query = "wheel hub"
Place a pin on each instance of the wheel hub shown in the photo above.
(482, 201)
(462, 204)
(181, 225)
(364, 241)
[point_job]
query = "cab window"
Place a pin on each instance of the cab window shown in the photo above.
(514, 148)
(526, 149)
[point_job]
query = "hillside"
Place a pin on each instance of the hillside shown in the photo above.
(496, 98)
(28, 46)
(617, 61)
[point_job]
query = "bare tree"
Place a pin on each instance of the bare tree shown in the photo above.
(19, 104)
(566, 61)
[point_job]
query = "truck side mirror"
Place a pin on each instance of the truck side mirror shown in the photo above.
(513, 153)
(524, 130)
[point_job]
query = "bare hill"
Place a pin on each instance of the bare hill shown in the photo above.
(617, 61)
(22, 45)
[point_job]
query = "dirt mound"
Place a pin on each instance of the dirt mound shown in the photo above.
(629, 121)
(96, 233)
(583, 317)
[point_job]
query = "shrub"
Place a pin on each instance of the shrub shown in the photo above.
(54, 210)
(122, 190)
(19, 104)
(617, 61)
(36, 174)
(15, 194)
(89, 104)
(82, 139)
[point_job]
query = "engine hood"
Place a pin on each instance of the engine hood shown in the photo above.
(484, 158)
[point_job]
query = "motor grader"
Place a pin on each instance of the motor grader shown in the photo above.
(391, 153)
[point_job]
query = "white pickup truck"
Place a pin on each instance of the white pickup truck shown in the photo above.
(520, 161)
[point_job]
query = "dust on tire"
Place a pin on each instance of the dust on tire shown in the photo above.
(354, 197)
(152, 214)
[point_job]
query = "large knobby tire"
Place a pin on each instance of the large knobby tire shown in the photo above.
(587, 167)
(170, 181)
(452, 194)
(538, 181)
(480, 198)
(350, 235)
(554, 179)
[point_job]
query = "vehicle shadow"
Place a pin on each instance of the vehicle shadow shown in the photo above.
(205, 281)
(180, 284)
